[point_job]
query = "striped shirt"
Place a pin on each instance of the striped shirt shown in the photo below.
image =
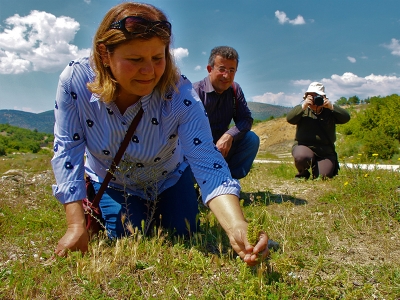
(172, 134)
(221, 109)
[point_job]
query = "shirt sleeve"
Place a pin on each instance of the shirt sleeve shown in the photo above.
(294, 116)
(206, 161)
(340, 114)
(69, 141)
(243, 119)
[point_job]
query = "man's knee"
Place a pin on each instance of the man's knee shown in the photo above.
(302, 153)
(253, 140)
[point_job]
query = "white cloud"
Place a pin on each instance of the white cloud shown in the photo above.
(282, 18)
(38, 42)
(180, 53)
(280, 98)
(27, 109)
(301, 82)
(197, 68)
(351, 59)
(350, 84)
(298, 21)
(394, 46)
(346, 85)
(87, 1)
(10, 63)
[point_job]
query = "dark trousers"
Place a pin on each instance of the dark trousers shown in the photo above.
(305, 158)
(242, 154)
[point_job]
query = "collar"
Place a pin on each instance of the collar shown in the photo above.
(208, 87)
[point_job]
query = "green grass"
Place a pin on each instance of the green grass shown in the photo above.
(339, 240)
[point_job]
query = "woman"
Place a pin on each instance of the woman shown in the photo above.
(316, 120)
(97, 98)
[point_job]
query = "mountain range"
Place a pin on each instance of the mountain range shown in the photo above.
(44, 122)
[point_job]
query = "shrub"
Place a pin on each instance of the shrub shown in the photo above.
(2, 150)
(377, 142)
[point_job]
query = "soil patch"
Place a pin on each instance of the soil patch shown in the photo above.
(276, 137)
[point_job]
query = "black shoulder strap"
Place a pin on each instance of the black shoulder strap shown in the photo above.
(118, 157)
(235, 104)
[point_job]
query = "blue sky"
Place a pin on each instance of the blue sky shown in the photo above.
(352, 46)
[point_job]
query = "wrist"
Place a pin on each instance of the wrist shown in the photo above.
(75, 215)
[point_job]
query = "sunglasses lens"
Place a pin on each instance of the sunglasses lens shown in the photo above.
(139, 25)
(136, 25)
(162, 28)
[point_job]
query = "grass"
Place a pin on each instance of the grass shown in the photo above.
(339, 240)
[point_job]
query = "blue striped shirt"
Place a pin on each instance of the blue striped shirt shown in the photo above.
(172, 134)
(220, 109)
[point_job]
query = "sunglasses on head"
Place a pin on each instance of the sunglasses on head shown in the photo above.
(138, 25)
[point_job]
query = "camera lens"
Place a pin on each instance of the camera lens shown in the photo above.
(318, 100)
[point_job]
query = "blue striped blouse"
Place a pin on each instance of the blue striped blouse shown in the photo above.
(172, 134)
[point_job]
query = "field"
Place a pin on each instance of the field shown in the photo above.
(339, 239)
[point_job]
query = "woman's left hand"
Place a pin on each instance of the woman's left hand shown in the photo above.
(229, 214)
(250, 254)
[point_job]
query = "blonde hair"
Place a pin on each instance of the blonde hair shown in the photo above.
(104, 85)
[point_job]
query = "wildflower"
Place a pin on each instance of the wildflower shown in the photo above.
(375, 154)
(359, 154)
(366, 175)
(346, 183)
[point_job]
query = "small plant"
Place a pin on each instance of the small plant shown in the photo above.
(253, 232)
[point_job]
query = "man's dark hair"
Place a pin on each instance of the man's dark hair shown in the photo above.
(225, 52)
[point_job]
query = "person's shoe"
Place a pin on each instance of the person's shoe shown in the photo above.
(305, 174)
(272, 245)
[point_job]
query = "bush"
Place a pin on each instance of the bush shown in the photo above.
(2, 150)
(373, 130)
(377, 142)
(34, 147)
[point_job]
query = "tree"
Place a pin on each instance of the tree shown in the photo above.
(354, 100)
(342, 101)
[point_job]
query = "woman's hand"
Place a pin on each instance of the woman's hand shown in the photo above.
(239, 242)
(76, 238)
(229, 214)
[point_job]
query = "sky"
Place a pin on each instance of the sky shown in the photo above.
(351, 46)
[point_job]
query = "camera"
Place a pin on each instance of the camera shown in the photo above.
(318, 100)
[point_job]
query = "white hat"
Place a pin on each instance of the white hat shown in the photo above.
(315, 87)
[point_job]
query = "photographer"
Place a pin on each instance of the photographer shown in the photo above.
(315, 121)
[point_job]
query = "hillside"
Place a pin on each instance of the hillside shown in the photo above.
(44, 122)
(262, 111)
(276, 137)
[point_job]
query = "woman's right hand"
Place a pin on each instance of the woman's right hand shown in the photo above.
(76, 238)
